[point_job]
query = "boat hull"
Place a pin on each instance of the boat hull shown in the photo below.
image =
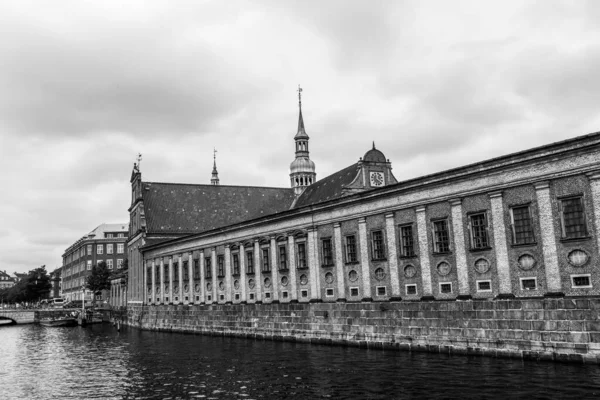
(59, 322)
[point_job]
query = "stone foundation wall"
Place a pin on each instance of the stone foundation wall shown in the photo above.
(565, 329)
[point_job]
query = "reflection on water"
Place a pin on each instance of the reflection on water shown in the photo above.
(98, 362)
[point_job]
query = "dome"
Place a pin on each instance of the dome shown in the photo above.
(302, 164)
(374, 155)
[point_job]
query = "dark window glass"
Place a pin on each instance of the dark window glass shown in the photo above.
(301, 255)
(411, 289)
(282, 258)
(166, 272)
(327, 253)
(351, 249)
(157, 274)
(221, 266)
(208, 268)
(522, 225)
(446, 288)
(378, 247)
(249, 262)
(485, 285)
(573, 218)
(407, 246)
(236, 264)
(186, 271)
(581, 281)
(479, 236)
(441, 238)
(529, 284)
(196, 270)
(175, 272)
(266, 266)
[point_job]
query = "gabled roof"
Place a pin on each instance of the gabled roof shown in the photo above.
(328, 188)
(185, 208)
(100, 230)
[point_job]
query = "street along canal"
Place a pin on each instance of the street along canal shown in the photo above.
(98, 362)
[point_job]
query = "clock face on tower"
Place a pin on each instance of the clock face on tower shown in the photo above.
(376, 179)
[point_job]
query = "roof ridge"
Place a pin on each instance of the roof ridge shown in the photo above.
(214, 186)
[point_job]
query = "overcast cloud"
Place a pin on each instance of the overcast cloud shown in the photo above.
(86, 85)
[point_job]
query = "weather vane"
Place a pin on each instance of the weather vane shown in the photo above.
(139, 161)
(215, 154)
(299, 95)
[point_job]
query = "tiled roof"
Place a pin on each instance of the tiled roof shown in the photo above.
(328, 188)
(182, 208)
(100, 230)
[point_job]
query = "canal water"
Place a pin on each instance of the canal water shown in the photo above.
(98, 362)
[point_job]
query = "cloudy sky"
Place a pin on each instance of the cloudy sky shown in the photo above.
(86, 85)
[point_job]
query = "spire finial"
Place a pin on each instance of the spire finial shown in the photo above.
(215, 175)
(137, 164)
(299, 96)
(373, 145)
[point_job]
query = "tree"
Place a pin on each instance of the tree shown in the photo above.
(98, 280)
(35, 286)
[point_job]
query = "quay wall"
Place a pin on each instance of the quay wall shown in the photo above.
(554, 329)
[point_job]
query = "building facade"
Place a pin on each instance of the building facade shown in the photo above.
(6, 281)
(106, 243)
(521, 225)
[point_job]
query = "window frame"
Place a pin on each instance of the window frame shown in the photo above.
(249, 262)
(484, 230)
(220, 265)
(282, 257)
(120, 248)
(110, 248)
(588, 276)
(383, 249)
(586, 232)
(301, 262)
(527, 278)
(445, 283)
(416, 293)
(185, 269)
(347, 252)
(513, 226)
(327, 253)
(265, 259)
(99, 249)
(235, 263)
(404, 253)
(197, 272)
(435, 248)
(477, 282)
(208, 267)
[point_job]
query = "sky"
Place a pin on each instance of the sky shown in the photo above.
(87, 85)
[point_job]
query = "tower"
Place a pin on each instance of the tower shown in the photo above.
(214, 180)
(302, 169)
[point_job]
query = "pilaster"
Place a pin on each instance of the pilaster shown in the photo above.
(243, 275)
(339, 262)
(162, 280)
(312, 266)
(594, 178)
(542, 191)
(202, 277)
(390, 230)
(274, 270)
(227, 274)
(153, 282)
(213, 266)
(191, 292)
(171, 294)
(180, 275)
(292, 268)
(364, 260)
(499, 229)
(458, 232)
(257, 271)
(424, 253)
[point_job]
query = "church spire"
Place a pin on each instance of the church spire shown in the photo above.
(302, 169)
(215, 175)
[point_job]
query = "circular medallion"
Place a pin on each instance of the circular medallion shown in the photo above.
(267, 282)
(353, 276)
(197, 288)
(221, 285)
(303, 279)
(186, 288)
(578, 258)
(329, 277)
(379, 274)
(410, 271)
(284, 280)
(236, 284)
(482, 265)
(209, 286)
(443, 268)
(251, 283)
(526, 262)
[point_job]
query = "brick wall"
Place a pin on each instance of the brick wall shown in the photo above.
(548, 329)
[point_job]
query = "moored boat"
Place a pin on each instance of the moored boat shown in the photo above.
(53, 322)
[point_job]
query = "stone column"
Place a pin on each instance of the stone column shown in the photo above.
(257, 271)
(192, 293)
(364, 260)
(162, 279)
(502, 264)
(594, 178)
(423, 230)
(312, 266)
(339, 262)
(202, 277)
(227, 274)
(462, 270)
(390, 230)
(292, 266)
(274, 271)
(180, 274)
(213, 266)
(153, 282)
(171, 294)
(542, 191)
(243, 276)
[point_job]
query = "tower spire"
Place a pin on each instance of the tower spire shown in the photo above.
(214, 180)
(302, 169)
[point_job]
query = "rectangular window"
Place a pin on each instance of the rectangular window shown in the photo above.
(478, 231)
(209, 297)
(282, 258)
(284, 294)
(573, 218)
(267, 295)
(119, 262)
(109, 264)
(89, 249)
(581, 281)
(528, 283)
(186, 272)
(157, 279)
(441, 238)
(89, 264)
(221, 266)
(304, 293)
(301, 255)
(353, 291)
(378, 247)
(251, 296)
(109, 235)
(221, 297)
(266, 266)
(120, 248)
(196, 269)
(522, 225)
(380, 290)
(446, 287)
(249, 262)
(235, 260)
(99, 249)
(327, 252)
(329, 292)
(82, 268)
(121, 235)
(176, 272)
(237, 296)
(484, 286)
(109, 248)
(166, 276)
(407, 244)
(207, 268)
(351, 249)
(411, 289)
